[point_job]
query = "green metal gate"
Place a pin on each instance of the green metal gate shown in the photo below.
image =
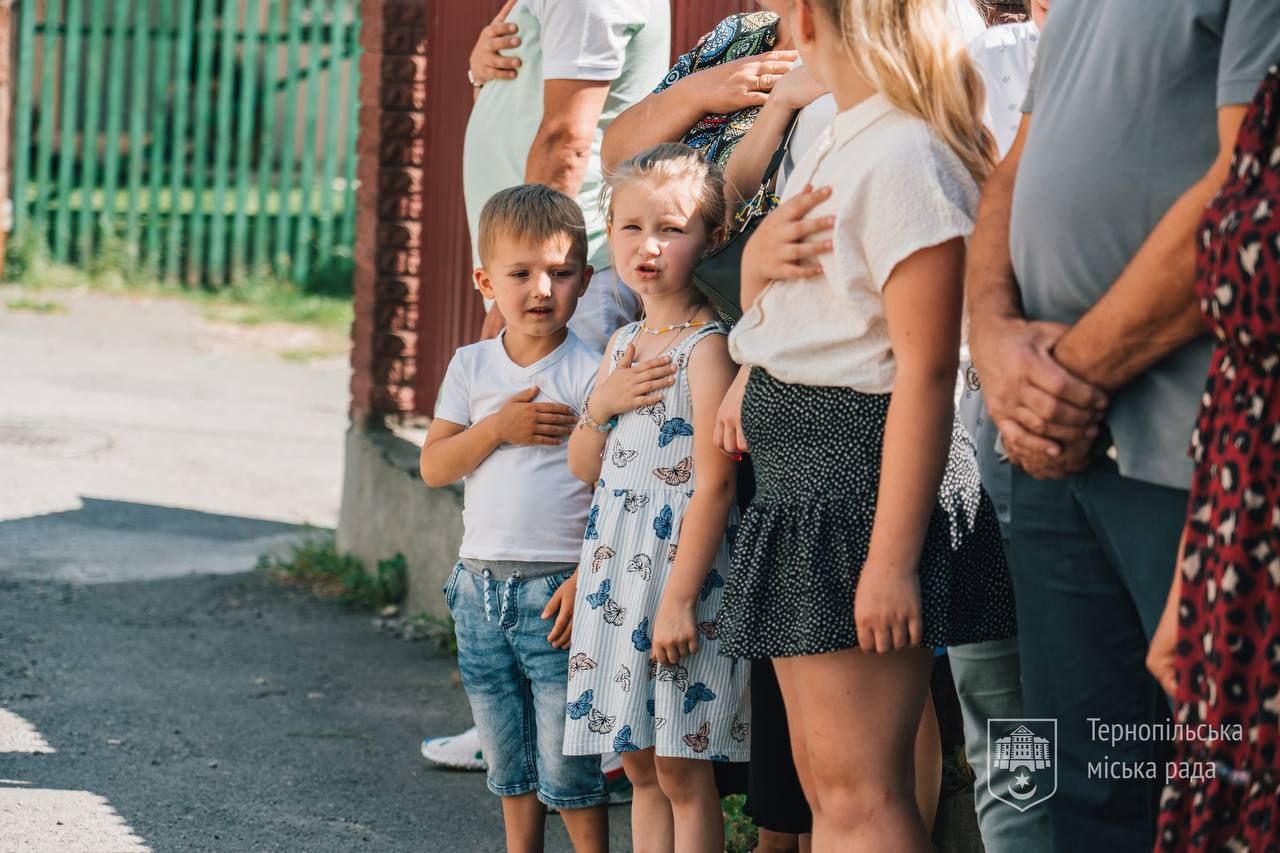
(209, 139)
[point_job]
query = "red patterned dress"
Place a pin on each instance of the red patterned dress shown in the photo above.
(1228, 650)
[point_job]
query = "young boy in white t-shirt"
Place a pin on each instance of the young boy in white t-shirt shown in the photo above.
(505, 408)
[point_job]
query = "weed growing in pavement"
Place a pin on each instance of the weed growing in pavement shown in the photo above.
(439, 631)
(36, 306)
(740, 834)
(315, 565)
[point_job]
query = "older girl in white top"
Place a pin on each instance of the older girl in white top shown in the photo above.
(842, 576)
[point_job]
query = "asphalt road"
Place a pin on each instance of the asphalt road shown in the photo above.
(156, 692)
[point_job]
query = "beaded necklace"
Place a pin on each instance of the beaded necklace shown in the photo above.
(687, 324)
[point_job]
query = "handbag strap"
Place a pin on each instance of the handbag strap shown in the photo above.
(775, 163)
(755, 205)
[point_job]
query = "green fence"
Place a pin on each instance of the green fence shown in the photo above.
(209, 139)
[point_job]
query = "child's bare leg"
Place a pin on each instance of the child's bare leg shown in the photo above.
(769, 841)
(651, 818)
(524, 819)
(928, 765)
(588, 828)
(690, 785)
(859, 754)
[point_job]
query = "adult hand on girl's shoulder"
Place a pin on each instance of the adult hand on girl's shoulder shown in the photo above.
(786, 244)
(675, 630)
(797, 89)
(631, 386)
(729, 436)
(886, 609)
(741, 83)
(561, 608)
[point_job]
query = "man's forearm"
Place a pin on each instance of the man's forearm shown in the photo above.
(991, 290)
(558, 160)
(1151, 308)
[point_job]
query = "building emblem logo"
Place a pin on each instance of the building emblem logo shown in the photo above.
(1022, 761)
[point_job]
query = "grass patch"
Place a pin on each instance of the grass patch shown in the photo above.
(261, 301)
(302, 356)
(437, 630)
(740, 834)
(316, 566)
(322, 302)
(36, 306)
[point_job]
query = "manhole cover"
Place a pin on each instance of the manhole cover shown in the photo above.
(52, 440)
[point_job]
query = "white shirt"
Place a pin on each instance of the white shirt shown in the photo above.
(521, 503)
(817, 116)
(896, 189)
(1005, 56)
(624, 42)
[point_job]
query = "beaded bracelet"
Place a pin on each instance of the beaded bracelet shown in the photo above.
(587, 421)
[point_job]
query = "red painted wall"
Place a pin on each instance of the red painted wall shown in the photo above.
(450, 311)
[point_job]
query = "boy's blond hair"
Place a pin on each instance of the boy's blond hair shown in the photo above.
(533, 213)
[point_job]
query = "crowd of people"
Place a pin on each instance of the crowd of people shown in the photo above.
(953, 417)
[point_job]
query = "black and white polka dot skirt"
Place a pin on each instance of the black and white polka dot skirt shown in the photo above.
(803, 540)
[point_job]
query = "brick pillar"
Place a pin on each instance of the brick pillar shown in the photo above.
(393, 97)
(6, 96)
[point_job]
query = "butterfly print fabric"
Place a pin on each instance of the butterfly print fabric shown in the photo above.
(624, 700)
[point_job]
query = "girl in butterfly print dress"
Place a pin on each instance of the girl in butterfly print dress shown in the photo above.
(645, 676)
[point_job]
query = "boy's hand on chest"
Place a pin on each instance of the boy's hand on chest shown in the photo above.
(522, 421)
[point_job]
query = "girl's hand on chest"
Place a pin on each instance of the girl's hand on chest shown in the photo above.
(789, 240)
(631, 385)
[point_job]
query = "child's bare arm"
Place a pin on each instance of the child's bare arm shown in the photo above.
(453, 451)
(675, 633)
(923, 299)
(586, 445)
(560, 608)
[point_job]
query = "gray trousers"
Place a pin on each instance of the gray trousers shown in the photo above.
(987, 682)
(1092, 559)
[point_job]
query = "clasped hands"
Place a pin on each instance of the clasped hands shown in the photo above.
(1047, 416)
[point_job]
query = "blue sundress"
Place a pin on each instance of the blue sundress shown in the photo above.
(619, 698)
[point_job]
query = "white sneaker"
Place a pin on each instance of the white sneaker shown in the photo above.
(459, 752)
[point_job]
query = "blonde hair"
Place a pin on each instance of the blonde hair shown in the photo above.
(672, 161)
(911, 53)
(535, 213)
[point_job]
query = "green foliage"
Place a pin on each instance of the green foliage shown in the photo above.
(440, 631)
(323, 302)
(387, 584)
(740, 834)
(265, 300)
(36, 306)
(315, 564)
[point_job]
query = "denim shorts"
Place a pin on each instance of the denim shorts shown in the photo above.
(516, 683)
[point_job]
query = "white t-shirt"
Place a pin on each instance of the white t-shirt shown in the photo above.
(521, 503)
(896, 188)
(624, 42)
(1005, 56)
(817, 116)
